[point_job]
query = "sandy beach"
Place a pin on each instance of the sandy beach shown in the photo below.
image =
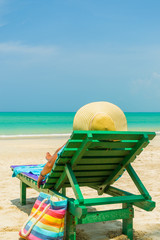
(32, 151)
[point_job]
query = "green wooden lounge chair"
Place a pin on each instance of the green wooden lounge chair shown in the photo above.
(96, 159)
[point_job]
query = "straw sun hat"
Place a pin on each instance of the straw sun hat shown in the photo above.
(100, 116)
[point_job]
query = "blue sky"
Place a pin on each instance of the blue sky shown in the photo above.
(58, 55)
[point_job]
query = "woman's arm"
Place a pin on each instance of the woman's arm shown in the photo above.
(48, 167)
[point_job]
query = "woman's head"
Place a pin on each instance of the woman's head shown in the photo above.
(100, 116)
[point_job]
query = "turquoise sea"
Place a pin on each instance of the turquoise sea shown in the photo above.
(18, 124)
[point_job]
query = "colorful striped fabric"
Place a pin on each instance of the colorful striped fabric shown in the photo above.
(46, 221)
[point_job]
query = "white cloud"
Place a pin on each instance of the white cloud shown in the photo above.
(2, 24)
(3, 11)
(148, 86)
(156, 75)
(18, 48)
(3, 2)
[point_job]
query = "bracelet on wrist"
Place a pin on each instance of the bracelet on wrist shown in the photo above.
(42, 175)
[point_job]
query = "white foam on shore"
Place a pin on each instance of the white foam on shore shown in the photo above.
(54, 135)
(35, 136)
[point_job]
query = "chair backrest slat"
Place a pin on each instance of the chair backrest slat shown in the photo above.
(101, 157)
(97, 153)
(103, 144)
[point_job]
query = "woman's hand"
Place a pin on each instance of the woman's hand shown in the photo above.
(48, 156)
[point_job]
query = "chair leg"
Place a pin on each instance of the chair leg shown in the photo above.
(70, 227)
(64, 191)
(23, 187)
(127, 227)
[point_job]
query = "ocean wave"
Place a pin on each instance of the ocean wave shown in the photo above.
(54, 135)
(21, 136)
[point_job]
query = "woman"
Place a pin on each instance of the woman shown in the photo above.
(103, 116)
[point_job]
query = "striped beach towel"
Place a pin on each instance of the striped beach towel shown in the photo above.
(46, 220)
